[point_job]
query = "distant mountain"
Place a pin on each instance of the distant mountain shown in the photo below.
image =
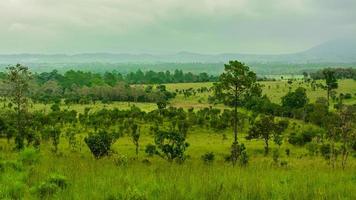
(336, 51)
(341, 50)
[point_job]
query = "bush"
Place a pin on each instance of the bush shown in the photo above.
(29, 156)
(208, 157)
(120, 160)
(99, 143)
(348, 96)
(284, 163)
(275, 156)
(325, 150)
(45, 190)
(171, 145)
(304, 136)
(13, 190)
(238, 153)
(312, 148)
(52, 185)
(150, 149)
(59, 180)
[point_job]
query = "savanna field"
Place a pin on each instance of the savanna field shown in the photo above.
(299, 164)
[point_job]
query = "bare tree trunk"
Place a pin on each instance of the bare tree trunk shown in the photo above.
(266, 147)
(235, 117)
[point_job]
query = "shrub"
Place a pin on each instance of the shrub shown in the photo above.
(284, 163)
(238, 153)
(171, 145)
(120, 160)
(304, 136)
(99, 143)
(312, 148)
(29, 156)
(325, 150)
(59, 180)
(14, 190)
(275, 156)
(208, 157)
(52, 185)
(150, 149)
(45, 190)
(348, 96)
(244, 158)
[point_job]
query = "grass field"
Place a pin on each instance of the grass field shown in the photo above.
(305, 177)
(123, 176)
(273, 89)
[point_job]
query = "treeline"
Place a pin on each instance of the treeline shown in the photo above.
(86, 78)
(86, 87)
(339, 73)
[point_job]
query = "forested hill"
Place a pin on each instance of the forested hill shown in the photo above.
(333, 54)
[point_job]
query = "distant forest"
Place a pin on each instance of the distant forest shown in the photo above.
(84, 87)
(261, 69)
(340, 73)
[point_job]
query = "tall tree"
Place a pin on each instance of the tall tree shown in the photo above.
(18, 78)
(236, 82)
(331, 83)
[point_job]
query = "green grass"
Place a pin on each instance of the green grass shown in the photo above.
(273, 89)
(304, 177)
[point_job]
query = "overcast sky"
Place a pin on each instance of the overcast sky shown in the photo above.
(168, 26)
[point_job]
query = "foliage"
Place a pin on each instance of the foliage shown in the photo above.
(99, 143)
(18, 78)
(51, 186)
(266, 128)
(236, 82)
(171, 145)
(296, 99)
(29, 156)
(208, 157)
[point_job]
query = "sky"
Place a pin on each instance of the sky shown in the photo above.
(169, 26)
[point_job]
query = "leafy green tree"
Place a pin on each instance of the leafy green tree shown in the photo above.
(171, 145)
(99, 143)
(135, 136)
(236, 82)
(161, 106)
(18, 78)
(296, 99)
(331, 83)
(266, 128)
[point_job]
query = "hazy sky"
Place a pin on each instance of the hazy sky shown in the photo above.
(167, 26)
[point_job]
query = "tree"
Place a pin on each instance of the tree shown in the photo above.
(331, 83)
(18, 78)
(347, 131)
(161, 105)
(266, 128)
(135, 136)
(171, 145)
(99, 143)
(296, 99)
(236, 82)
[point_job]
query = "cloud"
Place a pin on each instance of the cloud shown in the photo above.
(172, 25)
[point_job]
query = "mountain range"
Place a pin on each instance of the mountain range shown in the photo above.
(335, 51)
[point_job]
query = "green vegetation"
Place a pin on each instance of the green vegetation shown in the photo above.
(291, 143)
